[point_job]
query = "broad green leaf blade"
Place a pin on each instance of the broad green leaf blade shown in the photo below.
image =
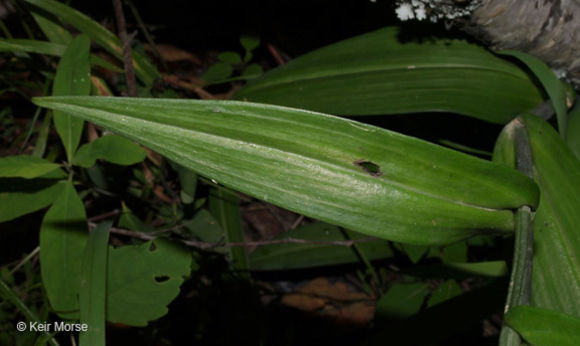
(402, 300)
(22, 196)
(73, 77)
(93, 290)
(49, 48)
(313, 254)
(143, 279)
(112, 148)
(376, 73)
(550, 82)
(24, 166)
(543, 327)
(63, 237)
(354, 175)
(556, 269)
(224, 206)
(573, 130)
(146, 72)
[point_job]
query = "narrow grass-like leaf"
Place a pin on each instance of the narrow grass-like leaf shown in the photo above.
(556, 271)
(541, 327)
(49, 48)
(377, 73)
(112, 148)
(143, 279)
(22, 196)
(63, 237)
(224, 206)
(146, 72)
(550, 82)
(49, 25)
(93, 290)
(312, 253)
(72, 78)
(24, 166)
(354, 175)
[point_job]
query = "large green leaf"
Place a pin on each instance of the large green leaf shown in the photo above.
(73, 77)
(48, 48)
(573, 130)
(556, 270)
(146, 72)
(143, 279)
(24, 166)
(402, 300)
(22, 196)
(347, 173)
(541, 327)
(313, 253)
(377, 73)
(63, 237)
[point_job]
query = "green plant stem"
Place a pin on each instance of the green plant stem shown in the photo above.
(26, 259)
(365, 260)
(519, 291)
(9, 295)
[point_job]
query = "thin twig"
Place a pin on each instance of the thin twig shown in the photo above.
(127, 58)
(212, 245)
(275, 54)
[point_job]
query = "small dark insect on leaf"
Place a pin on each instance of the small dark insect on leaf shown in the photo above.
(369, 167)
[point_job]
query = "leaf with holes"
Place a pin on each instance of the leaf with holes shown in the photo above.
(143, 279)
(410, 190)
(377, 73)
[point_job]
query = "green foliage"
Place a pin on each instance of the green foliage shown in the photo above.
(543, 327)
(376, 74)
(115, 149)
(143, 279)
(24, 166)
(73, 77)
(402, 300)
(63, 237)
(287, 156)
(317, 250)
(92, 293)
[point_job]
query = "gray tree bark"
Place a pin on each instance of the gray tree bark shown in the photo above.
(546, 29)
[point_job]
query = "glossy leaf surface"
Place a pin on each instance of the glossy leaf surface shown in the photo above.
(354, 175)
(377, 73)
